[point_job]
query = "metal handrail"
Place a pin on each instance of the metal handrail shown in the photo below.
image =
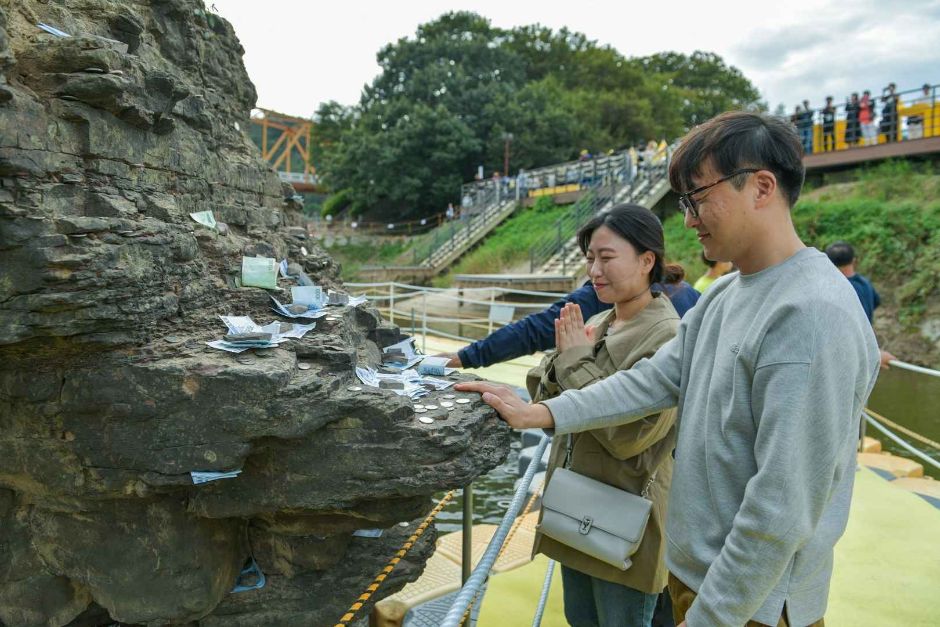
(913, 451)
(930, 125)
(913, 368)
(472, 586)
(423, 288)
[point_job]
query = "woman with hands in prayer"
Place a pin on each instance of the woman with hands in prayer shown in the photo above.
(624, 251)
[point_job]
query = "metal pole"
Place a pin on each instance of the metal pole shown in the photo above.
(424, 321)
(459, 311)
(391, 303)
(466, 554)
(490, 316)
(412, 322)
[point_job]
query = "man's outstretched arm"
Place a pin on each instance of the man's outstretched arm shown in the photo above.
(650, 386)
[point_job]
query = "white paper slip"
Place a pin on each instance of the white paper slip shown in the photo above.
(226, 346)
(435, 366)
(309, 295)
(205, 218)
(206, 477)
(240, 324)
(368, 533)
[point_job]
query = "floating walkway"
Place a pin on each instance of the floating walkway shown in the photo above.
(885, 569)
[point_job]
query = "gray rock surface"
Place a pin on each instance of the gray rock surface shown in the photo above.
(109, 397)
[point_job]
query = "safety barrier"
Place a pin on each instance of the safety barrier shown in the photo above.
(392, 563)
(472, 587)
(389, 297)
(913, 368)
(870, 417)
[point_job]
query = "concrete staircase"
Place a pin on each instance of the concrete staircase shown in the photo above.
(647, 189)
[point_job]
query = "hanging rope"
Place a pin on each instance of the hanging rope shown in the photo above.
(392, 563)
(904, 430)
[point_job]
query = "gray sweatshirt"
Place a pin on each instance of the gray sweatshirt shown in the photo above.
(770, 372)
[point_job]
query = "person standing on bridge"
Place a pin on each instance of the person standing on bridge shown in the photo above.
(624, 248)
(829, 125)
(866, 117)
(852, 128)
(770, 372)
(842, 256)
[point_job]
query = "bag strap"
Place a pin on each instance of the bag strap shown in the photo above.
(649, 484)
(567, 464)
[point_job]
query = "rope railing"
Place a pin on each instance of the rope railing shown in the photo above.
(543, 598)
(477, 578)
(911, 434)
(392, 563)
(913, 368)
(910, 449)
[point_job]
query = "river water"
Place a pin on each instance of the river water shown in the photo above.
(902, 396)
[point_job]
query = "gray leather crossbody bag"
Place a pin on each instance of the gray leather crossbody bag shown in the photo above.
(597, 519)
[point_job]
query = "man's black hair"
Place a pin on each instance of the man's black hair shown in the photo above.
(840, 253)
(638, 225)
(740, 139)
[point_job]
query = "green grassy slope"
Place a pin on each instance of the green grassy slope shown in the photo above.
(890, 214)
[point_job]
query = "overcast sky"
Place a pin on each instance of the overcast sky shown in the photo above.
(300, 53)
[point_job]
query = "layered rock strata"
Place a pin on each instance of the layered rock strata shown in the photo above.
(109, 397)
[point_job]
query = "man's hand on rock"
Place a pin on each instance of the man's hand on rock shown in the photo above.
(515, 411)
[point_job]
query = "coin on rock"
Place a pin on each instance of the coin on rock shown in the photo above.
(426, 420)
(173, 339)
(419, 406)
(430, 407)
(449, 396)
(421, 411)
(245, 360)
(463, 401)
(447, 404)
(354, 388)
(303, 366)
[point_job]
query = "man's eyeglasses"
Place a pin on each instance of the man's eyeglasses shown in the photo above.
(687, 204)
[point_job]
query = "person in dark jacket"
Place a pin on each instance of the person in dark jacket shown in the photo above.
(851, 120)
(829, 125)
(536, 332)
(889, 113)
(842, 256)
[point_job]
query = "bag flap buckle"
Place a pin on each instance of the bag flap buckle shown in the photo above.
(585, 527)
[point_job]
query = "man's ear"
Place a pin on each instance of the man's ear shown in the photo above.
(765, 185)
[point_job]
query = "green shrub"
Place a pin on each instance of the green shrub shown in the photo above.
(336, 203)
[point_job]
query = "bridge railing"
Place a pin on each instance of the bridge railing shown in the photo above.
(567, 226)
(915, 115)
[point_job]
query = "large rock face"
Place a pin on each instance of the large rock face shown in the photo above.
(109, 397)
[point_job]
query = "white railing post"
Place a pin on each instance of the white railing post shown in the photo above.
(424, 322)
(490, 316)
(391, 302)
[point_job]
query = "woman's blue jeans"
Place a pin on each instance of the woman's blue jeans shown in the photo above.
(593, 602)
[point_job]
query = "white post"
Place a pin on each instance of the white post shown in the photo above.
(490, 316)
(391, 303)
(424, 322)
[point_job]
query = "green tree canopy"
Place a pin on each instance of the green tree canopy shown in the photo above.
(446, 97)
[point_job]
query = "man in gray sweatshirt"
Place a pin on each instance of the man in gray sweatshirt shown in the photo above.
(770, 372)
